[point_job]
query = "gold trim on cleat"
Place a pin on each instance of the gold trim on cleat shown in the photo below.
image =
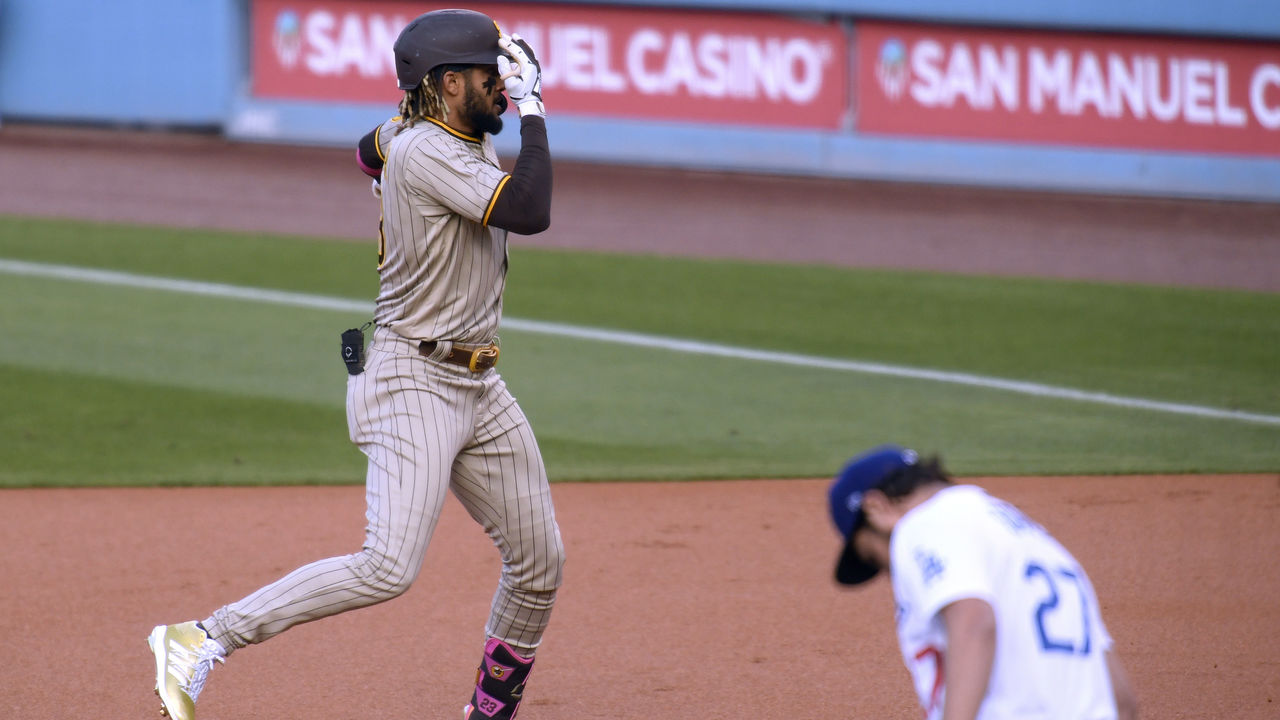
(172, 645)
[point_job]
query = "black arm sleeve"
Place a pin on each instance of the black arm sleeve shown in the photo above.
(367, 155)
(523, 204)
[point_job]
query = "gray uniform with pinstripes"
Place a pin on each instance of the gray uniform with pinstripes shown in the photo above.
(425, 425)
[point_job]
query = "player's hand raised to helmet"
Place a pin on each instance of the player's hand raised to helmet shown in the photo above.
(521, 74)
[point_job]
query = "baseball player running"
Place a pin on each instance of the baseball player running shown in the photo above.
(427, 406)
(996, 620)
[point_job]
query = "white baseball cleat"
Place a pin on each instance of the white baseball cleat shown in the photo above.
(184, 655)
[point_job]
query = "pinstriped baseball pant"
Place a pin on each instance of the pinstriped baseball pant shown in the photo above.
(426, 427)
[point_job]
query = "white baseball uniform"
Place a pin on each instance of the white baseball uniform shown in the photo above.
(1050, 658)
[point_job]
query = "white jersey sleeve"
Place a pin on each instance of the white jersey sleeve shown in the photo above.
(944, 561)
(937, 556)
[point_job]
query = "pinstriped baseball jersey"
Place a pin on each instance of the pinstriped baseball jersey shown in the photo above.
(429, 427)
(428, 407)
(442, 268)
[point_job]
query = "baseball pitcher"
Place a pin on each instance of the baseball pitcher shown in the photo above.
(426, 405)
(996, 620)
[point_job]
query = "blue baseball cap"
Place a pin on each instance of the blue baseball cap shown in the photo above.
(861, 474)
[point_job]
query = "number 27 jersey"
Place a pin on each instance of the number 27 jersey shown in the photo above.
(1051, 644)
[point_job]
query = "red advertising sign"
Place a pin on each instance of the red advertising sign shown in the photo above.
(1100, 90)
(729, 68)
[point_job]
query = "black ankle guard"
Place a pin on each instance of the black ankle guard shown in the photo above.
(499, 682)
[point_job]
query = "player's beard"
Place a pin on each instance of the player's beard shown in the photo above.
(481, 113)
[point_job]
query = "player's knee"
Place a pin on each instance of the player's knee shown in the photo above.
(382, 574)
(555, 566)
(542, 571)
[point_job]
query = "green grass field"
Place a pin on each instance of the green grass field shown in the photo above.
(124, 385)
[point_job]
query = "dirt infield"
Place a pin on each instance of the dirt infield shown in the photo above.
(682, 601)
(690, 600)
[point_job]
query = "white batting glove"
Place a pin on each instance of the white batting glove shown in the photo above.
(376, 189)
(522, 75)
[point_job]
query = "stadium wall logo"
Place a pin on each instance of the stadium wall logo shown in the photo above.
(287, 38)
(1163, 85)
(1096, 90)
(691, 66)
(891, 68)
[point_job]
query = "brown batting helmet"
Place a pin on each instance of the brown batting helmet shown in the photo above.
(444, 37)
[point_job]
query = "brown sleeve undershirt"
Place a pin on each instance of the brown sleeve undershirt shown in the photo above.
(523, 204)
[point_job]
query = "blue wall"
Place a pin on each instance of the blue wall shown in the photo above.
(124, 61)
(183, 63)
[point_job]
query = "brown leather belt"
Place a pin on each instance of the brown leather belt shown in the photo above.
(477, 360)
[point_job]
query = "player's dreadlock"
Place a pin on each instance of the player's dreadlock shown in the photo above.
(426, 101)
(922, 472)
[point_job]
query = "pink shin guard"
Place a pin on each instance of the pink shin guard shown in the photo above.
(499, 682)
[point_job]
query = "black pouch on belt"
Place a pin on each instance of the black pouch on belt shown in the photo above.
(353, 350)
